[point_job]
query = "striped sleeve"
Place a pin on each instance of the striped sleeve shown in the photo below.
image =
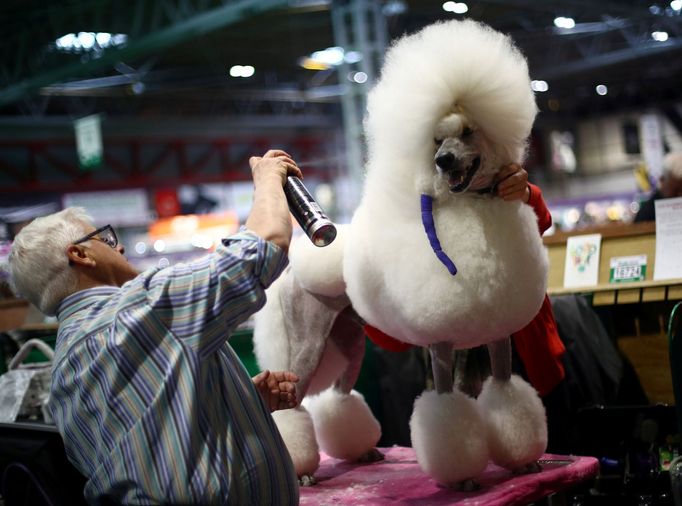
(203, 301)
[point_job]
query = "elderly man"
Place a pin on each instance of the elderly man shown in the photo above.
(153, 404)
(669, 186)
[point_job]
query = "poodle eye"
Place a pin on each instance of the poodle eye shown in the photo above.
(466, 132)
(438, 141)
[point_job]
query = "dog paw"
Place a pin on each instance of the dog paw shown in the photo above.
(307, 480)
(373, 455)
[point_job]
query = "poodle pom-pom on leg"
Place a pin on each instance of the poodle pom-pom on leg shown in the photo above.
(449, 437)
(344, 425)
(517, 422)
(297, 430)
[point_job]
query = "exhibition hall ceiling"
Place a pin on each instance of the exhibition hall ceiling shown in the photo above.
(149, 58)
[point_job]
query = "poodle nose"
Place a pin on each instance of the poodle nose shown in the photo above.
(446, 161)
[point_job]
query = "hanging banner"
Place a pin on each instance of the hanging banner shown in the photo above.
(89, 141)
(652, 145)
(668, 239)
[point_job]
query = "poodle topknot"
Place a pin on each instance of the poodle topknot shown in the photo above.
(452, 66)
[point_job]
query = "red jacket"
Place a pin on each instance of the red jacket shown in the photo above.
(537, 344)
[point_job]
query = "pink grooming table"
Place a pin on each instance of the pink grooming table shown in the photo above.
(399, 480)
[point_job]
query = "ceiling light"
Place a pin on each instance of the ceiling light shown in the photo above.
(601, 89)
(660, 36)
(103, 38)
(358, 77)
(676, 5)
(539, 85)
(242, 71)
(394, 7)
(456, 7)
(310, 64)
(330, 56)
(89, 41)
(352, 57)
(563, 22)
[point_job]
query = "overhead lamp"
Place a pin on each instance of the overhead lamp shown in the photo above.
(660, 36)
(539, 85)
(676, 5)
(89, 41)
(564, 22)
(330, 57)
(310, 64)
(242, 71)
(352, 57)
(455, 7)
(358, 77)
(601, 89)
(394, 8)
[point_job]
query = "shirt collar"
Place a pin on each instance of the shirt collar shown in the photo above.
(76, 301)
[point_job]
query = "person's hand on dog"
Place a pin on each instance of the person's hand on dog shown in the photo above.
(278, 389)
(512, 183)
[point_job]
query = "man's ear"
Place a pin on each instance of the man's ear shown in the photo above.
(78, 255)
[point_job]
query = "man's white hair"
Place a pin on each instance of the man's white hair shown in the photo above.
(672, 165)
(38, 266)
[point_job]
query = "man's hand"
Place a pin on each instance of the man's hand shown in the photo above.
(269, 217)
(274, 163)
(278, 389)
(512, 183)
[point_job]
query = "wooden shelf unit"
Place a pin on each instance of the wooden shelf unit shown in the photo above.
(617, 241)
(635, 305)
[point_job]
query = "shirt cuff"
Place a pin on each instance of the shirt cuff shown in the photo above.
(534, 194)
(270, 259)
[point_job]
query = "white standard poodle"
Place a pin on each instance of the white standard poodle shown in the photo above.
(431, 257)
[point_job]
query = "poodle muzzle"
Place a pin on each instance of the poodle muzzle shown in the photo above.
(459, 175)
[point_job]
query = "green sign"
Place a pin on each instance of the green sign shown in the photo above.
(89, 141)
(627, 269)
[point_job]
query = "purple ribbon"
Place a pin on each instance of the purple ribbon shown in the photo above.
(430, 228)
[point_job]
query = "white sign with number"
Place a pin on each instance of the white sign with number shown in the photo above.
(627, 269)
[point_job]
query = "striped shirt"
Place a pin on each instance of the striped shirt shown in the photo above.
(153, 404)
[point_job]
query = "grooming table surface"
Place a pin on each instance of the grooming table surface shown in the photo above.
(399, 480)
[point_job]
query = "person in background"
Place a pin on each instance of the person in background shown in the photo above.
(669, 186)
(152, 403)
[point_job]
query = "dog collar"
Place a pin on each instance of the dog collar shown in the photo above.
(490, 189)
(430, 228)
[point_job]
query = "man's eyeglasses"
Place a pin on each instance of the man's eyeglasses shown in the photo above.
(105, 234)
